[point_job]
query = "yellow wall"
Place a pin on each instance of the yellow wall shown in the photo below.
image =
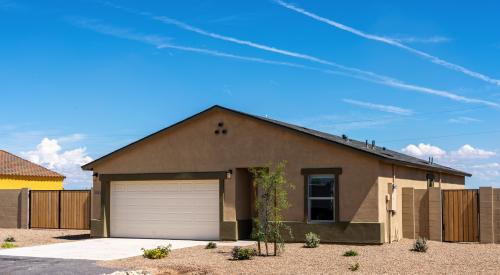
(34, 183)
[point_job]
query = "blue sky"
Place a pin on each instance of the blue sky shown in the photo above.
(79, 79)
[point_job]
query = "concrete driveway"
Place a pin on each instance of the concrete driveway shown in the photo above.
(103, 249)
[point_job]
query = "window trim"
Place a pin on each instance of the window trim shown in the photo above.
(335, 172)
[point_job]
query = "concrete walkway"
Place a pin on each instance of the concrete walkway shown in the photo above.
(103, 249)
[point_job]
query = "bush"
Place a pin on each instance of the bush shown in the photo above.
(8, 245)
(211, 245)
(350, 253)
(354, 267)
(420, 245)
(241, 253)
(312, 240)
(9, 239)
(158, 252)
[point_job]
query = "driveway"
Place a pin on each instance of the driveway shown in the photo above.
(103, 249)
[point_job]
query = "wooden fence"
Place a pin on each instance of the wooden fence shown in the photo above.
(460, 216)
(60, 209)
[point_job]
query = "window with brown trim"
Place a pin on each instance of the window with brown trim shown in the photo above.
(321, 198)
(321, 194)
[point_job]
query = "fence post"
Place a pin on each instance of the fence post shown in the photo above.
(486, 229)
(435, 214)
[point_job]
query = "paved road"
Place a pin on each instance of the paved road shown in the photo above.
(27, 265)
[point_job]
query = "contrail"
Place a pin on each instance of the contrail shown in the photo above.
(433, 59)
(352, 72)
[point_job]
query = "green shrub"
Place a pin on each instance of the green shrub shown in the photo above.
(354, 267)
(9, 239)
(8, 245)
(241, 253)
(158, 252)
(420, 245)
(211, 245)
(350, 253)
(312, 240)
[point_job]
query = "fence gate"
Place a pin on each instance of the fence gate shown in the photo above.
(60, 209)
(460, 216)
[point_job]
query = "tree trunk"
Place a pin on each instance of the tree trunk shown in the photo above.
(275, 217)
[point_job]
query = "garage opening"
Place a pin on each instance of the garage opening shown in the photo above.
(166, 209)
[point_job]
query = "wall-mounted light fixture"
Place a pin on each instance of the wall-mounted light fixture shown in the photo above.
(229, 173)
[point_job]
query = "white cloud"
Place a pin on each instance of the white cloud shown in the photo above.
(424, 151)
(464, 120)
(466, 152)
(380, 107)
(469, 152)
(51, 155)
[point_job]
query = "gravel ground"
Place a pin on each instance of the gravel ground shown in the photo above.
(31, 237)
(441, 258)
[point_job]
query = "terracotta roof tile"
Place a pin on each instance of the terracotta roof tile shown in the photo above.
(12, 165)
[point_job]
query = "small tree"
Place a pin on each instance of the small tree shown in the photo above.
(272, 198)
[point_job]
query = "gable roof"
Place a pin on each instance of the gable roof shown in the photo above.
(12, 165)
(379, 152)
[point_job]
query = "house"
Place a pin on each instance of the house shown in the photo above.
(191, 181)
(17, 173)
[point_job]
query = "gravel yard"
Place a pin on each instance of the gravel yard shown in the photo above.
(31, 237)
(441, 258)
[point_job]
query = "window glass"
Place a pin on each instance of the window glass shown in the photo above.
(321, 210)
(321, 186)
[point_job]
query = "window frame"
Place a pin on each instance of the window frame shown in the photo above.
(330, 198)
(309, 173)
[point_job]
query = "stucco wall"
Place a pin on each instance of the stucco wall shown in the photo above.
(409, 177)
(193, 147)
(33, 183)
(14, 208)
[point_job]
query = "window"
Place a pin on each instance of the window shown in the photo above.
(321, 198)
(430, 180)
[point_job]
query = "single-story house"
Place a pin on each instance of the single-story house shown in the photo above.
(18, 173)
(191, 181)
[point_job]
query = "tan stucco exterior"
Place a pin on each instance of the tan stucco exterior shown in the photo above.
(192, 146)
(406, 177)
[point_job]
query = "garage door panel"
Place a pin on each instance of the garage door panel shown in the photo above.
(165, 209)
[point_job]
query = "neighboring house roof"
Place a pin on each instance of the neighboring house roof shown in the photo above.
(380, 152)
(12, 165)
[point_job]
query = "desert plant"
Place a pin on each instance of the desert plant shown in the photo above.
(312, 240)
(211, 245)
(242, 253)
(8, 245)
(354, 267)
(157, 253)
(272, 199)
(420, 245)
(350, 253)
(9, 239)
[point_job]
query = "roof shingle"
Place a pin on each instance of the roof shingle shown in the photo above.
(12, 165)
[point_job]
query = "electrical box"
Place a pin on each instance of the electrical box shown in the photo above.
(393, 204)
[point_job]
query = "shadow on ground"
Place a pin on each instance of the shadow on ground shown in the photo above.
(74, 237)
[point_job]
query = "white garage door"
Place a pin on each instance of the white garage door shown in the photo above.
(178, 209)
